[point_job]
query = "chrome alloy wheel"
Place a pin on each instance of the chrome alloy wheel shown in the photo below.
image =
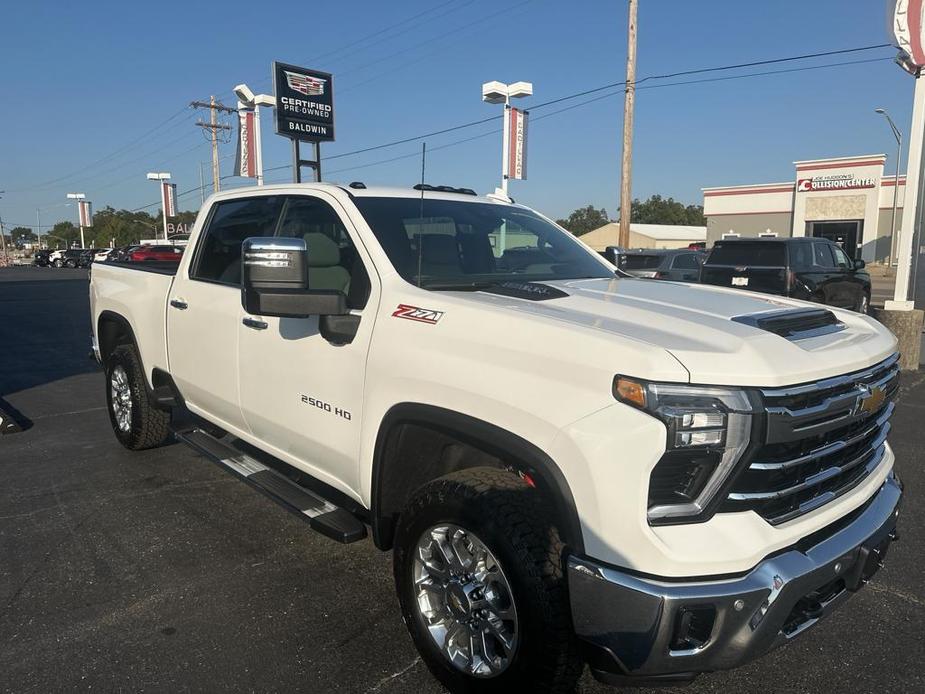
(465, 600)
(121, 398)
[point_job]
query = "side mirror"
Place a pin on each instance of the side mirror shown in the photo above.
(859, 264)
(274, 281)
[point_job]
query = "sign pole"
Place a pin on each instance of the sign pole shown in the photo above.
(911, 202)
(316, 146)
(296, 163)
(165, 192)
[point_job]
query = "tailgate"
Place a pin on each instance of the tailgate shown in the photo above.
(770, 280)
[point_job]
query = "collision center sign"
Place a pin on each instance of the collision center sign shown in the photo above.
(834, 182)
(304, 103)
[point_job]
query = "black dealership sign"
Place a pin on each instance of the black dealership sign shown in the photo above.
(304, 103)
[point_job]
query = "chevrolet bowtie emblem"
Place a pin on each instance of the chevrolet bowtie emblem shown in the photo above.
(869, 401)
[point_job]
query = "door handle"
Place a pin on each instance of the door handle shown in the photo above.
(179, 303)
(254, 323)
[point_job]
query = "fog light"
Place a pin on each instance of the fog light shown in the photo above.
(693, 628)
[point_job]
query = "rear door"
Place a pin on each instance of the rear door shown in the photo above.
(204, 309)
(759, 266)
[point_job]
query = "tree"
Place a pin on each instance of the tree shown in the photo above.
(659, 210)
(584, 219)
(63, 235)
(21, 235)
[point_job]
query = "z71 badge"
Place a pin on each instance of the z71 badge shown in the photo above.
(421, 315)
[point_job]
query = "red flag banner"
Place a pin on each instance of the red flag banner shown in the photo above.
(245, 162)
(169, 198)
(85, 213)
(517, 145)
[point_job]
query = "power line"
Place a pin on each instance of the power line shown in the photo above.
(606, 96)
(599, 89)
(111, 155)
(592, 100)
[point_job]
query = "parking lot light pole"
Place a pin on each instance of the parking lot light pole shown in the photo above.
(899, 153)
(247, 99)
(79, 197)
(500, 93)
(160, 178)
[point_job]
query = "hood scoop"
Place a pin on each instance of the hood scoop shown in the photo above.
(794, 324)
(532, 291)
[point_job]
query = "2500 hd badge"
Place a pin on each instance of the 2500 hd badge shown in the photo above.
(326, 407)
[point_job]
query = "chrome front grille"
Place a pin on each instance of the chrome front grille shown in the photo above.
(820, 440)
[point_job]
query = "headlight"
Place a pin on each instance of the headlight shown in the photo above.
(708, 432)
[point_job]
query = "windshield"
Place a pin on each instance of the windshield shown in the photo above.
(456, 244)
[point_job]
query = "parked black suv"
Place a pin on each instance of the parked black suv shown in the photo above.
(76, 257)
(803, 268)
(40, 258)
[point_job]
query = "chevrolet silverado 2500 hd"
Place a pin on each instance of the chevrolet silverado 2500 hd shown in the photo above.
(571, 466)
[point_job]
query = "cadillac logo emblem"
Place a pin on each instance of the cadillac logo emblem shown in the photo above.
(869, 401)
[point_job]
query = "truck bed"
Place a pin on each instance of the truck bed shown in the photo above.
(138, 293)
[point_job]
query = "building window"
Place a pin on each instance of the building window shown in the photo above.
(730, 235)
(767, 235)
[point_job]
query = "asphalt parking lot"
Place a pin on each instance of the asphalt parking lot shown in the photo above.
(156, 571)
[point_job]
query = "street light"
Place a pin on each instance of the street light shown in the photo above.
(500, 93)
(899, 152)
(160, 178)
(248, 100)
(78, 197)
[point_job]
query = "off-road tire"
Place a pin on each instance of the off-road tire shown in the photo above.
(150, 426)
(508, 517)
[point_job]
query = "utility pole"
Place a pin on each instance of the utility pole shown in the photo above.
(214, 127)
(2, 236)
(626, 169)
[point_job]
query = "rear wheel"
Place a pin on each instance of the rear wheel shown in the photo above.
(478, 570)
(57, 262)
(136, 422)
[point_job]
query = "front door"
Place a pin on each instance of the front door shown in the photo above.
(301, 395)
(204, 309)
(844, 234)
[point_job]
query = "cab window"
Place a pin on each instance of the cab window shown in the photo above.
(333, 261)
(841, 259)
(231, 222)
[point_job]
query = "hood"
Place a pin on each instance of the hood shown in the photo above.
(694, 323)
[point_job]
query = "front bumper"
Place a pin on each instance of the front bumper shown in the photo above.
(642, 628)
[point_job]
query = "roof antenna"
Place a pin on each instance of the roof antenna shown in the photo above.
(421, 216)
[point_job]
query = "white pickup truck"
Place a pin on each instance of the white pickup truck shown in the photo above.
(572, 467)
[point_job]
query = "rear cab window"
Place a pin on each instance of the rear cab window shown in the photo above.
(748, 253)
(640, 262)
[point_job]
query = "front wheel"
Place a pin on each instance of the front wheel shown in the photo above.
(136, 422)
(479, 574)
(57, 262)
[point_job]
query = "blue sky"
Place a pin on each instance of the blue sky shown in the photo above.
(88, 81)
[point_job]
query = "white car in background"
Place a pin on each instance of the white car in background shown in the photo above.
(102, 255)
